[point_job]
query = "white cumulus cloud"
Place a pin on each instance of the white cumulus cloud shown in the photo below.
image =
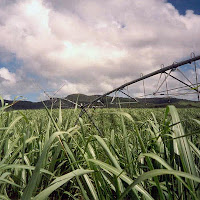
(95, 45)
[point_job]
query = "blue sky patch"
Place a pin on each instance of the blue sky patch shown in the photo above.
(183, 5)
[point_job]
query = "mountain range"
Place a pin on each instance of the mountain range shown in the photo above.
(110, 102)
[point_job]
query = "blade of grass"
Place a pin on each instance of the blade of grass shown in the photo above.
(59, 182)
(157, 172)
(121, 175)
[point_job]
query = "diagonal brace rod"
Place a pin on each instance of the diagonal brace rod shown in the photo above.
(90, 118)
(182, 82)
(128, 96)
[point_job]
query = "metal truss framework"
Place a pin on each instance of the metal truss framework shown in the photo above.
(194, 87)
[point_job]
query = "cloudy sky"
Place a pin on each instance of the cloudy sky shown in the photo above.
(90, 46)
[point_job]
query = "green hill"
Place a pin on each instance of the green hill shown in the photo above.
(82, 99)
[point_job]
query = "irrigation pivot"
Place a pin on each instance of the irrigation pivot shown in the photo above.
(160, 71)
(166, 71)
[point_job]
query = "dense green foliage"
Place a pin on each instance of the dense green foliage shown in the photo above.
(138, 154)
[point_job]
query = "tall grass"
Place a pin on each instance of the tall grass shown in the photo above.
(44, 156)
